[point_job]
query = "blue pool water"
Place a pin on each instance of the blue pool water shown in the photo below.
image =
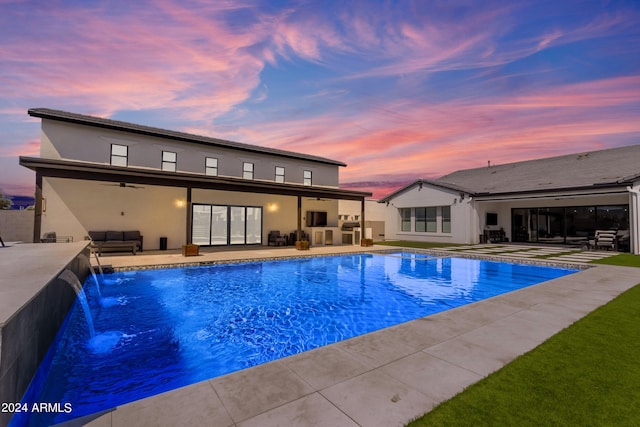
(157, 330)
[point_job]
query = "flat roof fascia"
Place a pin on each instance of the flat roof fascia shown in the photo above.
(595, 190)
(63, 116)
(109, 173)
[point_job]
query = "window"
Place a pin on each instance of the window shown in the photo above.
(211, 166)
(446, 219)
(426, 220)
(253, 233)
(306, 178)
(214, 225)
(169, 160)
(119, 155)
(421, 219)
(405, 219)
(237, 225)
(247, 170)
(280, 174)
(431, 220)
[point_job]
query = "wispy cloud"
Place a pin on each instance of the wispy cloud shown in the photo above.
(29, 148)
(431, 139)
(395, 89)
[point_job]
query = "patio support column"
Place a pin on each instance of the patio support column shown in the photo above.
(299, 231)
(363, 233)
(37, 221)
(634, 220)
(189, 215)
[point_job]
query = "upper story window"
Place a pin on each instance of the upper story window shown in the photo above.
(169, 161)
(280, 174)
(119, 155)
(306, 178)
(211, 166)
(247, 170)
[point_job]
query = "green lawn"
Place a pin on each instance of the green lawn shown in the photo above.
(586, 375)
(627, 260)
(417, 245)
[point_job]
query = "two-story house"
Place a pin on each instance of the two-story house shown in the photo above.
(101, 174)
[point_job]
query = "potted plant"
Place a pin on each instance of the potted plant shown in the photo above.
(366, 242)
(302, 245)
(190, 250)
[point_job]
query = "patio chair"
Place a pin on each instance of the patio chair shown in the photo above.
(606, 239)
(52, 237)
(276, 238)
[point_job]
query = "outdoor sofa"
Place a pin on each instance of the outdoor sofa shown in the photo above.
(116, 241)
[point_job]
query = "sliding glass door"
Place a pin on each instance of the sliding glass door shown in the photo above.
(226, 225)
(253, 228)
(219, 230)
(571, 224)
(201, 225)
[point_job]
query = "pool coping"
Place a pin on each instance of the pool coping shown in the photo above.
(389, 376)
(437, 253)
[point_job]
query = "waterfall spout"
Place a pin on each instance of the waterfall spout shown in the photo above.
(69, 277)
(86, 263)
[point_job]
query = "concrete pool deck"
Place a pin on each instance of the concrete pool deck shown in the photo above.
(383, 378)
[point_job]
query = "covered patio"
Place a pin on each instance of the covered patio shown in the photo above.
(561, 218)
(285, 204)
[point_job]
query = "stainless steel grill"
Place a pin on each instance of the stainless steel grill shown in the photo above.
(349, 226)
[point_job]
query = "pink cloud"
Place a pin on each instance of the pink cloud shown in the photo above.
(195, 64)
(29, 148)
(428, 140)
(179, 60)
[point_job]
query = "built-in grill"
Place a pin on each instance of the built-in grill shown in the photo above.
(349, 226)
(348, 232)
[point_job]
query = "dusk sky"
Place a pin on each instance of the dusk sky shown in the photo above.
(398, 90)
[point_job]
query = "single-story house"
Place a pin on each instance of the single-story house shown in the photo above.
(561, 200)
(175, 188)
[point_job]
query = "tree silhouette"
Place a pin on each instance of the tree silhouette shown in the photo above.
(4, 202)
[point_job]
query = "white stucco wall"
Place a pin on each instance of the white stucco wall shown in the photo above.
(70, 141)
(374, 211)
(463, 222)
(74, 207)
(634, 216)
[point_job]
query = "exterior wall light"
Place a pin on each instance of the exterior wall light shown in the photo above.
(272, 207)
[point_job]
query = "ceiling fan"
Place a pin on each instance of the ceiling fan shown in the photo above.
(124, 185)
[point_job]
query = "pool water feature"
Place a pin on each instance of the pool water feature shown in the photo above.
(157, 330)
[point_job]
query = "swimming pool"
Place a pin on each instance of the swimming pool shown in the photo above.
(157, 330)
